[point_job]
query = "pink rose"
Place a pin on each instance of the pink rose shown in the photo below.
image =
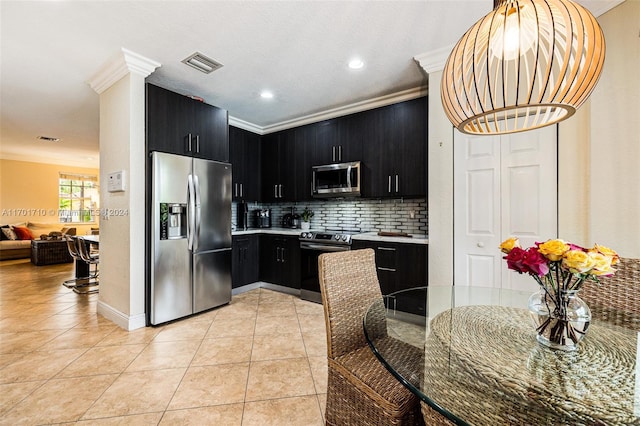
(515, 260)
(536, 262)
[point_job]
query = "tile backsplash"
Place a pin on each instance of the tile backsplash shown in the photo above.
(356, 215)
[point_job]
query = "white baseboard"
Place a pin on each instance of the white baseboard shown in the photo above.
(121, 320)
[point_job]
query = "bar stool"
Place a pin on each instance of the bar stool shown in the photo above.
(91, 259)
(75, 254)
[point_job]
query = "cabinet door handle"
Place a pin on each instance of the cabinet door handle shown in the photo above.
(198, 143)
(283, 250)
(380, 268)
(275, 191)
(397, 184)
(188, 142)
(277, 254)
(241, 191)
(235, 190)
(387, 248)
(280, 191)
(333, 153)
(339, 152)
(389, 183)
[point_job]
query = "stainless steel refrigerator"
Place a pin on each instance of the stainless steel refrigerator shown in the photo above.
(190, 250)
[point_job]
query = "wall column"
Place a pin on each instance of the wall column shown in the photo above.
(440, 173)
(121, 86)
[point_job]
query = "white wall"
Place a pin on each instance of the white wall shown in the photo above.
(122, 148)
(615, 136)
(440, 188)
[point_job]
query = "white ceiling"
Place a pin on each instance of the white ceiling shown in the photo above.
(299, 50)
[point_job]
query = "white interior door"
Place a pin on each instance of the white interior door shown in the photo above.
(476, 209)
(529, 188)
(503, 186)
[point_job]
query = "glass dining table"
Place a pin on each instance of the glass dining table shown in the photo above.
(482, 364)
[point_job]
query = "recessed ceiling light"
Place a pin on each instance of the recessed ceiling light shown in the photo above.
(265, 94)
(356, 64)
(49, 139)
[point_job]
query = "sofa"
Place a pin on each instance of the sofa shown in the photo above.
(15, 239)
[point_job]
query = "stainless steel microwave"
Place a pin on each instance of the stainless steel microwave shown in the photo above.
(336, 180)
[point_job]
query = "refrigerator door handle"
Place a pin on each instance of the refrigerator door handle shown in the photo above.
(190, 211)
(196, 237)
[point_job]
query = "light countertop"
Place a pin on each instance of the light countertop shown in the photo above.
(367, 236)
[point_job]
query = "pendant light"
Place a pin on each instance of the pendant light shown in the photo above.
(527, 64)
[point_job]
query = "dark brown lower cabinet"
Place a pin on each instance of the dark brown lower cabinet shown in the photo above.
(244, 264)
(280, 260)
(400, 266)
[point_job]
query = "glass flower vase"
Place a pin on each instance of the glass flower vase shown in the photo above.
(561, 318)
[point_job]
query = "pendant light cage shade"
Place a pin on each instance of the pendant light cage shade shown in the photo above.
(527, 64)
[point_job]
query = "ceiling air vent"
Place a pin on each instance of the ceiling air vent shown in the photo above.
(49, 139)
(202, 63)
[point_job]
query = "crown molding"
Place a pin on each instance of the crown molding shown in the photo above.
(378, 102)
(128, 62)
(434, 60)
(241, 124)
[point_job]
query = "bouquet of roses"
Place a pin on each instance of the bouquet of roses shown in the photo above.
(560, 268)
(559, 265)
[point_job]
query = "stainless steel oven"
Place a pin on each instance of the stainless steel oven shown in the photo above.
(312, 245)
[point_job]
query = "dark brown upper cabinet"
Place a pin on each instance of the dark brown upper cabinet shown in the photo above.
(180, 125)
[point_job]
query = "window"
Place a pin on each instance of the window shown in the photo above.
(78, 197)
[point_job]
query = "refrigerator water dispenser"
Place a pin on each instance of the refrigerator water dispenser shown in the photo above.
(173, 221)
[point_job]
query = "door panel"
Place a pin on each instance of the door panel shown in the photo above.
(211, 279)
(214, 180)
(529, 182)
(170, 292)
(503, 186)
(476, 209)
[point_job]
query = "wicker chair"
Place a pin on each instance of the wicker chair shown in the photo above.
(617, 299)
(360, 390)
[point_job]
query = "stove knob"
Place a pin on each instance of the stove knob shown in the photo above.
(336, 237)
(345, 238)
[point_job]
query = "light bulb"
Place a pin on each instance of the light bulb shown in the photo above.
(515, 35)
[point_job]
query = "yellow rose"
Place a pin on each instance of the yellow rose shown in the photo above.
(553, 249)
(607, 252)
(578, 262)
(602, 264)
(508, 244)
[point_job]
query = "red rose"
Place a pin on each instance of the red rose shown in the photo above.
(536, 262)
(515, 260)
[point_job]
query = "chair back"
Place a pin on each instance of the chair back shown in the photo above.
(84, 251)
(617, 298)
(349, 285)
(72, 247)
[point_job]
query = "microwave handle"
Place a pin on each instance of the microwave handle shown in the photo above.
(313, 182)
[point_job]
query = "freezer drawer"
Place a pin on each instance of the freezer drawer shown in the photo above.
(211, 279)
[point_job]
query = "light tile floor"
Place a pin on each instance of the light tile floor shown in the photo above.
(261, 360)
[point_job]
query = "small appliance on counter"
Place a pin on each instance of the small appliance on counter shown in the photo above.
(291, 220)
(262, 218)
(243, 216)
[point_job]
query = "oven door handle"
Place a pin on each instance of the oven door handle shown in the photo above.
(319, 247)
